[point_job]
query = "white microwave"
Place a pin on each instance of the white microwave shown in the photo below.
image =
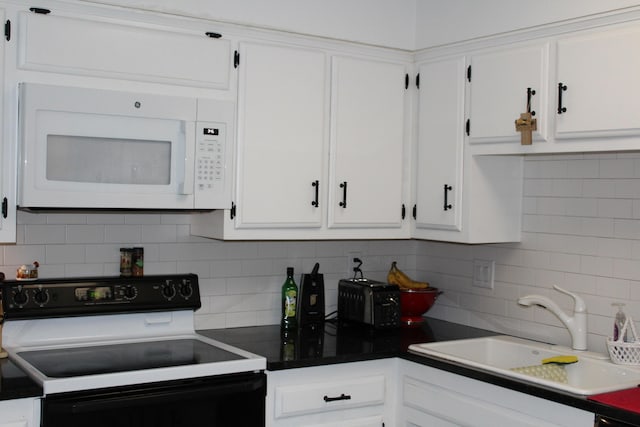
(101, 149)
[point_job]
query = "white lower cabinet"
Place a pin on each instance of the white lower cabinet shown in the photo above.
(20, 412)
(347, 395)
(432, 397)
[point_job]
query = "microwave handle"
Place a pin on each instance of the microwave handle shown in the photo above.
(189, 147)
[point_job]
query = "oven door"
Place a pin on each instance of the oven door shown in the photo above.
(225, 400)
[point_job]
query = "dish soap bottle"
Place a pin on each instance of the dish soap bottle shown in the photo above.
(618, 324)
(289, 302)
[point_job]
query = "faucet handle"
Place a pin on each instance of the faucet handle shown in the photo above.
(579, 305)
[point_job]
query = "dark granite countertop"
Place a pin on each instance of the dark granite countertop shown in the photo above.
(14, 382)
(341, 343)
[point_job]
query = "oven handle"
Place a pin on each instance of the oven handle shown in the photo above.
(107, 401)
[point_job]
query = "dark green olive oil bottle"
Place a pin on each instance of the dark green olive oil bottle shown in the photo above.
(289, 321)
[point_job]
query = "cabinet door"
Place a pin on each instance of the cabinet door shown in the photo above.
(431, 397)
(600, 72)
(123, 51)
(440, 144)
(499, 81)
(367, 140)
(19, 412)
(8, 175)
(281, 137)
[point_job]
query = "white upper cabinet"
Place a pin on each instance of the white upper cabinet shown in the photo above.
(122, 50)
(459, 197)
(320, 153)
(504, 83)
(8, 175)
(597, 80)
(585, 78)
(367, 143)
(438, 163)
(281, 137)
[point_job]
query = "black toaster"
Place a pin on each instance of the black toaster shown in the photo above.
(369, 302)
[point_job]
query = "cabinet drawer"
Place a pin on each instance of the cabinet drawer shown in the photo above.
(335, 395)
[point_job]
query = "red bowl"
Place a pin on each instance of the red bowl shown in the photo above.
(415, 302)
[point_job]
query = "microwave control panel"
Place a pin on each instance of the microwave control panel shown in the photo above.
(210, 185)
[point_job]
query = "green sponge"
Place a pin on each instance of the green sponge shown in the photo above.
(560, 360)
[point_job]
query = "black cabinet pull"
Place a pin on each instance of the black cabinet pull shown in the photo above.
(343, 203)
(315, 184)
(561, 88)
(447, 205)
(341, 397)
(530, 93)
(40, 10)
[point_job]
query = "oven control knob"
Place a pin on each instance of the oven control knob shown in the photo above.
(168, 290)
(41, 296)
(186, 290)
(130, 292)
(20, 297)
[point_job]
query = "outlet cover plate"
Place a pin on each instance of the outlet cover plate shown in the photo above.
(483, 271)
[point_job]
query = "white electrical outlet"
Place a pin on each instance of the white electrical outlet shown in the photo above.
(483, 273)
(351, 263)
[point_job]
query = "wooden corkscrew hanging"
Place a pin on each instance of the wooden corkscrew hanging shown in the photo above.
(526, 124)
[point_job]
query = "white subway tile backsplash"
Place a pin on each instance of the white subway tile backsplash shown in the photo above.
(538, 187)
(617, 168)
(615, 248)
(551, 206)
(22, 254)
(615, 208)
(583, 168)
(64, 254)
(626, 229)
(600, 227)
(122, 233)
(596, 266)
(159, 233)
(565, 262)
(577, 207)
(45, 234)
(85, 234)
(599, 188)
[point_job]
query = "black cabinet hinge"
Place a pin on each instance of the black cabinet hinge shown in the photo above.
(236, 59)
(469, 73)
(467, 127)
(406, 81)
(213, 35)
(404, 211)
(232, 211)
(415, 212)
(7, 30)
(40, 10)
(418, 80)
(5, 207)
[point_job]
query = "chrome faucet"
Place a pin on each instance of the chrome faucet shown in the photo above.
(577, 325)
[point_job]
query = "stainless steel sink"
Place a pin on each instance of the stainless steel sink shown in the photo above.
(592, 374)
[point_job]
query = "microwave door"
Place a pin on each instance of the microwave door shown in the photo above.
(78, 160)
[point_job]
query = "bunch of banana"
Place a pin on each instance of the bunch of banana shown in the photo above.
(398, 277)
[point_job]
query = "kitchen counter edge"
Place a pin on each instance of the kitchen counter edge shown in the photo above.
(438, 330)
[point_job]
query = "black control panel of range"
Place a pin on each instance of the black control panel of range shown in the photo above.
(98, 295)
